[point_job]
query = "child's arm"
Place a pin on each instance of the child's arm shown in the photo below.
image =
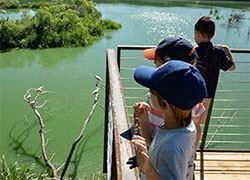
(230, 56)
(143, 159)
(141, 109)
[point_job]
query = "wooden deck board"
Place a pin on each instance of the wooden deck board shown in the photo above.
(222, 165)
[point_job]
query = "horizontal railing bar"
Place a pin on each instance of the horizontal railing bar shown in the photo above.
(234, 82)
(134, 47)
(125, 78)
(134, 88)
(129, 97)
(230, 100)
(142, 47)
(228, 82)
(229, 126)
(133, 58)
(235, 72)
(226, 150)
(220, 91)
(227, 117)
(229, 134)
(143, 59)
(242, 62)
(223, 109)
(129, 106)
(232, 109)
(127, 68)
(229, 142)
(226, 73)
(231, 91)
(213, 125)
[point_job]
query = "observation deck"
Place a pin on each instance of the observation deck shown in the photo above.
(224, 150)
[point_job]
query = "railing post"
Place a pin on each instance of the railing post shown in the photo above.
(205, 130)
(119, 57)
(106, 119)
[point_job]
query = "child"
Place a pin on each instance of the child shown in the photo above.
(170, 48)
(211, 60)
(176, 87)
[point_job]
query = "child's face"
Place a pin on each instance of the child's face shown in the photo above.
(158, 63)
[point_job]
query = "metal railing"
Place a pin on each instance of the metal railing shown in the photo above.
(117, 150)
(227, 128)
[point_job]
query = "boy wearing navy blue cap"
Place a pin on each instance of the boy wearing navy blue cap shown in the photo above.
(168, 49)
(176, 88)
(212, 59)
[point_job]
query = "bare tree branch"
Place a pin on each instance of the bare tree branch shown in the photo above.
(32, 104)
(60, 167)
(53, 155)
(96, 92)
(41, 106)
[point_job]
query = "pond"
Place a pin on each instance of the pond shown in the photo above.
(69, 75)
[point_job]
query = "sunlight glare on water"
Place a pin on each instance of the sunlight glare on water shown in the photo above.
(162, 23)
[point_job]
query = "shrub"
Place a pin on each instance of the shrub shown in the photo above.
(58, 25)
(9, 4)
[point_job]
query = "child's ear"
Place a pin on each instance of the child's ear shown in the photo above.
(198, 34)
(165, 105)
(210, 38)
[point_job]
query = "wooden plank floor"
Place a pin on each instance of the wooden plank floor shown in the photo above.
(222, 166)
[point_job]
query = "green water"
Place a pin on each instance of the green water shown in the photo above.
(69, 74)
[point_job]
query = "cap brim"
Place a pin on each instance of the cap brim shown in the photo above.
(143, 76)
(150, 54)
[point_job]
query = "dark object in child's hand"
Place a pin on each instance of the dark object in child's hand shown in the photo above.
(132, 162)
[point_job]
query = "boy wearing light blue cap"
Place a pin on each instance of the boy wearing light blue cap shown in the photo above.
(176, 88)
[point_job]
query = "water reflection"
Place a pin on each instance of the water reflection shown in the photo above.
(14, 14)
(48, 58)
(165, 22)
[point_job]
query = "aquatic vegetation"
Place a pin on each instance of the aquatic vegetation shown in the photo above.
(231, 20)
(62, 24)
(18, 170)
(235, 17)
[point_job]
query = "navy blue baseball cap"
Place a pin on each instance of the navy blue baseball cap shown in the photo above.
(172, 48)
(179, 83)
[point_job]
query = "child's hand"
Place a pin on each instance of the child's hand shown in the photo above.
(142, 153)
(141, 110)
(229, 55)
(226, 49)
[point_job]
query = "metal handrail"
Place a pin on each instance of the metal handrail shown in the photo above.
(122, 48)
(118, 150)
